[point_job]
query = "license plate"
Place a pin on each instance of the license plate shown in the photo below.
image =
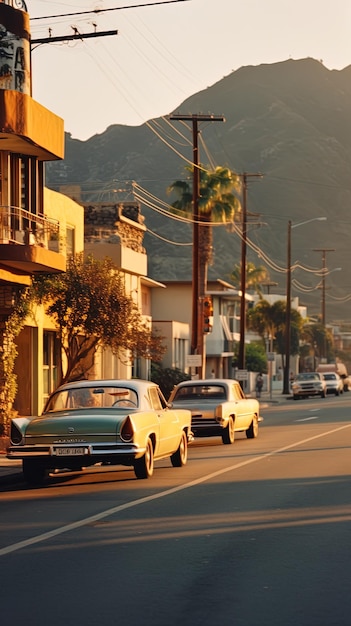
(69, 451)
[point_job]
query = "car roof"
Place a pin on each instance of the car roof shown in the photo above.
(207, 381)
(109, 382)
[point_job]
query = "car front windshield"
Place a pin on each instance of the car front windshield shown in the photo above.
(307, 377)
(104, 397)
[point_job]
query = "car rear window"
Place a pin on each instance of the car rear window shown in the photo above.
(92, 397)
(196, 392)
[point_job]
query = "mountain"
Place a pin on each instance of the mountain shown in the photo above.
(289, 121)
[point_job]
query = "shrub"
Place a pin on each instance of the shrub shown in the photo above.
(167, 378)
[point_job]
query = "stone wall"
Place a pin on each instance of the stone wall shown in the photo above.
(115, 223)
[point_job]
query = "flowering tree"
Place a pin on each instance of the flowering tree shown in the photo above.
(91, 308)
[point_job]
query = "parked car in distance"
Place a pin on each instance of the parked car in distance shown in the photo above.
(309, 384)
(218, 407)
(339, 368)
(109, 422)
(334, 383)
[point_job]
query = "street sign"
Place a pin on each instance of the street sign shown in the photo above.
(241, 375)
(193, 360)
(270, 356)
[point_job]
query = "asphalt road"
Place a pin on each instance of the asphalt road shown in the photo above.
(257, 533)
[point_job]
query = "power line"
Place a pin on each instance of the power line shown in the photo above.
(131, 6)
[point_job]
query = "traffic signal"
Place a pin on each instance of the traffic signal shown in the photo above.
(207, 314)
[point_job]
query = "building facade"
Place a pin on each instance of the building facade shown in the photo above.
(37, 227)
(116, 231)
(172, 310)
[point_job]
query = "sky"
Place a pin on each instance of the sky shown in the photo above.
(165, 53)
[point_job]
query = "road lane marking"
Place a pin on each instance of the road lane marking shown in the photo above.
(129, 505)
(306, 419)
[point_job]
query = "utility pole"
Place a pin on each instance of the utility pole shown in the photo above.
(286, 381)
(323, 319)
(197, 337)
(324, 270)
(241, 359)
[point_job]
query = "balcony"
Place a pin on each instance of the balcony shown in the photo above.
(29, 243)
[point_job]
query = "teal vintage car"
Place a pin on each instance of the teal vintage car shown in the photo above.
(110, 422)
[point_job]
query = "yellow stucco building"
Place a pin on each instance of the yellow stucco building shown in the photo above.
(38, 227)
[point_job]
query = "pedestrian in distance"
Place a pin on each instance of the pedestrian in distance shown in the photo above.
(291, 379)
(259, 384)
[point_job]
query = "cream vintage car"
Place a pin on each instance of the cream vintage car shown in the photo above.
(218, 407)
(110, 422)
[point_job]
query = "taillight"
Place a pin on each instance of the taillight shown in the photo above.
(127, 430)
(16, 436)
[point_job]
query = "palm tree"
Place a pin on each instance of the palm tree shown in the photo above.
(318, 341)
(217, 202)
(269, 322)
(255, 275)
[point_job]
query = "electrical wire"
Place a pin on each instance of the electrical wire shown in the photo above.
(174, 243)
(131, 6)
(149, 200)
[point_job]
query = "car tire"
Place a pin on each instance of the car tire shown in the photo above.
(144, 467)
(296, 397)
(228, 434)
(34, 471)
(180, 456)
(252, 431)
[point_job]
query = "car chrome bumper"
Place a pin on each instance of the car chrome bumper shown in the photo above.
(199, 419)
(75, 450)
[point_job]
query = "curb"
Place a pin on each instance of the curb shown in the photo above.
(268, 401)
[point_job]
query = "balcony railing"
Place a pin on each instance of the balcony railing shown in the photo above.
(18, 226)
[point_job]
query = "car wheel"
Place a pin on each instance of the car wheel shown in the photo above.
(252, 431)
(228, 434)
(144, 467)
(180, 456)
(34, 471)
(296, 397)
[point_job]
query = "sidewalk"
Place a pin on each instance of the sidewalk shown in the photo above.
(275, 397)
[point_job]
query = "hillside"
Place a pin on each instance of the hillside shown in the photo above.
(291, 122)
